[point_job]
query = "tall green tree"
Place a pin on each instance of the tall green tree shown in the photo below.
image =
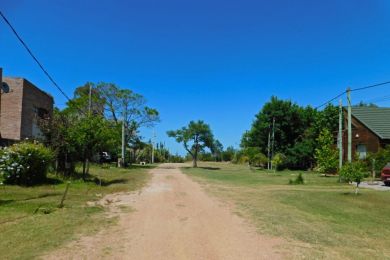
(195, 137)
(228, 154)
(91, 135)
(217, 150)
(124, 104)
(289, 125)
(57, 136)
(326, 154)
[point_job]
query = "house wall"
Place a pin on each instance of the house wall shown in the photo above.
(18, 118)
(361, 135)
(11, 109)
(33, 99)
(385, 143)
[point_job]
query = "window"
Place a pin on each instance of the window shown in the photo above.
(362, 151)
(40, 113)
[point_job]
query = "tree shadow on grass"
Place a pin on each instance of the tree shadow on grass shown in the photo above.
(106, 183)
(137, 166)
(203, 168)
(39, 196)
(5, 202)
(351, 193)
(210, 168)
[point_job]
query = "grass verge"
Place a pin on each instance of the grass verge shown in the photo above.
(320, 219)
(31, 222)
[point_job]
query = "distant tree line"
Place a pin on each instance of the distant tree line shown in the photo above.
(290, 131)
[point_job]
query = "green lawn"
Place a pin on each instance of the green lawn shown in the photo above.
(320, 219)
(31, 222)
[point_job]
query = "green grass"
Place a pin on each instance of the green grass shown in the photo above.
(320, 219)
(31, 222)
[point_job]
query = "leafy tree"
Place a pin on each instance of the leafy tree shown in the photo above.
(205, 157)
(363, 104)
(228, 154)
(277, 161)
(195, 138)
(296, 130)
(254, 156)
(80, 102)
(382, 157)
(326, 153)
(353, 172)
(90, 135)
(124, 103)
(57, 137)
(217, 150)
(289, 125)
(300, 156)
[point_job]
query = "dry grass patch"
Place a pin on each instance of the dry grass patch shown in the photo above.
(321, 219)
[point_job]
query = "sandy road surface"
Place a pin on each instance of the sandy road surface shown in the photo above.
(173, 219)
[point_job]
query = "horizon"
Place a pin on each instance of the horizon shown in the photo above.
(307, 53)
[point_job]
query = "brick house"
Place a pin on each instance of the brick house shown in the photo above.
(370, 130)
(21, 110)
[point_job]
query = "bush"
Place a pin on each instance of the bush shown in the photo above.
(382, 157)
(298, 180)
(25, 163)
(176, 159)
(277, 161)
(260, 160)
(353, 172)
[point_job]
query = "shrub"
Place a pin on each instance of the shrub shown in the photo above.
(25, 163)
(353, 172)
(382, 157)
(260, 160)
(298, 180)
(278, 160)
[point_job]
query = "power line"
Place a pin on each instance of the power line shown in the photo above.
(371, 86)
(33, 56)
(355, 89)
(327, 102)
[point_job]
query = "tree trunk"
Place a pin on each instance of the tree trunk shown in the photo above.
(84, 168)
(194, 163)
(85, 165)
(357, 189)
(195, 160)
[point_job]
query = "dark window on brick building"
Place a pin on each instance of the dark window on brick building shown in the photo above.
(41, 113)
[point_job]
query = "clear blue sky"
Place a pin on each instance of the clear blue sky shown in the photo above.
(213, 60)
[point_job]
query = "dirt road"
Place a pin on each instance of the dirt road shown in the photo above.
(173, 218)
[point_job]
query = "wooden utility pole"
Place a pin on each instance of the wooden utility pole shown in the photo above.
(269, 147)
(340, 137)
(340, 133)
(90, 99)
(154, 136)
(273, 140)
(349, 125)
(124, 136)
